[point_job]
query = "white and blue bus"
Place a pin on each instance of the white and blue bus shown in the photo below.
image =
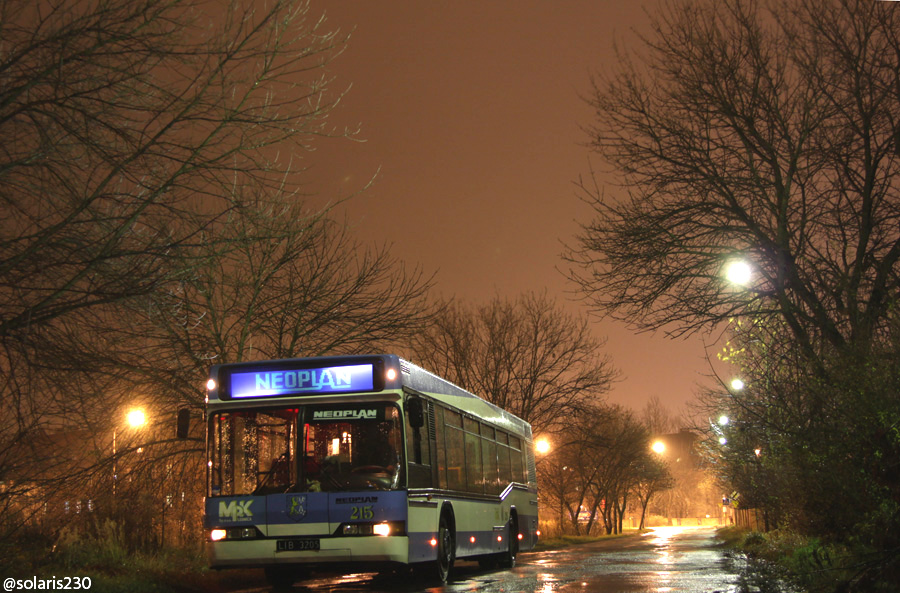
(361, 462)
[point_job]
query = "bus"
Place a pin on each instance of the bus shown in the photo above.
(361, 462)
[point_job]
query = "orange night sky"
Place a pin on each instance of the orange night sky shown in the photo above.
(471, 116)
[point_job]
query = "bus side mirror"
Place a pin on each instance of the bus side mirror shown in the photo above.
(414, 412)
(183, 423)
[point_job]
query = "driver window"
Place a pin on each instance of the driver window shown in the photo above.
(352, 448)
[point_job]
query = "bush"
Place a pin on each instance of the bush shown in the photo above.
(809, 563)
(103, 549)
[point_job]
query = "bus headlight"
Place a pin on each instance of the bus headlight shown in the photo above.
(234, 533)
(384, 529)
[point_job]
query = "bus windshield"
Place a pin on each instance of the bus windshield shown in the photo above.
(321, 448)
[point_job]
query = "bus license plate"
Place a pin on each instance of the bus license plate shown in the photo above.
(296, 545)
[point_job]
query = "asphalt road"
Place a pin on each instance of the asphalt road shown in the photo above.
(663, 560)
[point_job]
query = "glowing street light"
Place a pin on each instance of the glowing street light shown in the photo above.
(737, 384)
(542, 446)
(723, 420)
(135, 418)
(658, 447)
(738, 273)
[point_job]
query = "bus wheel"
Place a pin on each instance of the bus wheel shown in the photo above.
(507, 559)
(446, 549)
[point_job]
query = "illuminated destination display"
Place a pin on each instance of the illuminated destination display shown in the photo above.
(273, 383)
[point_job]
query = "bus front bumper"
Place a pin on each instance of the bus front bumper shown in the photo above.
(262, 552)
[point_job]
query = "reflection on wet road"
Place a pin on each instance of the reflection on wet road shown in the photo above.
(663, 560)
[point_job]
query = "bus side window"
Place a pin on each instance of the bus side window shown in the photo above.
(417, 444)
(474, 467)
(440, 447)
(503, 460)
(489, 457)
(456, 459)
(517, 459)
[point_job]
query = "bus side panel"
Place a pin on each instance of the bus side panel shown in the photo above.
(526, 505)
(482, 526)
(422, 527)
(478, 523)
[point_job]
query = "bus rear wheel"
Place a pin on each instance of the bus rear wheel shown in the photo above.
(507, 559)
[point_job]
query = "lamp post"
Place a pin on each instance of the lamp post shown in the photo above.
(135, 418)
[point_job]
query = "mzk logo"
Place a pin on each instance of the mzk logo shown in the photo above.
(296, 506)
(236, 510)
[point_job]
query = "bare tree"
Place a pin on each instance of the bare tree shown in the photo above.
(126, 126)
(152, 221)
(308, 289)
(760, 132)
(605, 459)
(651, 478)
(768, 132)
(527, 356)
(657, 417)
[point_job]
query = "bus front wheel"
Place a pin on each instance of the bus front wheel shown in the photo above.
(446, 549)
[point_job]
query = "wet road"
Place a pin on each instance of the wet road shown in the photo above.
(663, 560)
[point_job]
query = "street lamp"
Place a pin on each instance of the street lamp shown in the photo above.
(738, 272)
(658, 447)
(542, 446)
(135, 418)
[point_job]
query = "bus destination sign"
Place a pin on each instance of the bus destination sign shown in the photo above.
(319, 380)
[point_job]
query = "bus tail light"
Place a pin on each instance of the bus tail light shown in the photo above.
(433, 542)
(217, 534)
(383, 529)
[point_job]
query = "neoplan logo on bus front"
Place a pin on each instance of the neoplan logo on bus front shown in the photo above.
(345, 414)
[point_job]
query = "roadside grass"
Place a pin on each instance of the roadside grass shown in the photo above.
(808, 563)
(100, 552)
